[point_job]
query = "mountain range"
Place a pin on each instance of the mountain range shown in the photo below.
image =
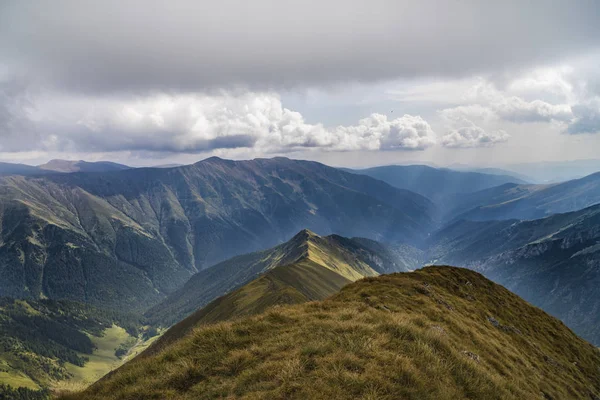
(128, 238)
(222, 241)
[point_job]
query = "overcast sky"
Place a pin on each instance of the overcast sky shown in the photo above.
(353, 83)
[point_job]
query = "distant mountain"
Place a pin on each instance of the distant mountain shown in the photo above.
(81, 166)
(526, 201)
(552, 262)
(436, 183)
(557, 171)
(167, 166)
(331, 261)
(19, 169)
(493, 171)
(128, 238)
(437, 333)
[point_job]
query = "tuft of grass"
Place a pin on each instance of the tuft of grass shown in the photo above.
(422, 335)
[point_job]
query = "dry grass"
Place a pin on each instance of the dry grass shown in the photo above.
(438, 333)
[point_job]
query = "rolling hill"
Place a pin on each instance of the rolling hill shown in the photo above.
(552, 262)
(126, 239)
(332, 260)
(437, 333)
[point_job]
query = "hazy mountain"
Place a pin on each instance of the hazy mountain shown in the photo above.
(436, 183)
(81, 166)
(557, 171)
(552, 262)
(493, 171)
(437, 333)
(20, 169)
(526, 201)
(347, 259)
(127, 238)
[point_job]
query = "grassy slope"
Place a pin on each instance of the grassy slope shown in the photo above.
(292, 284)
(103, 360)
(349, 258)
(437, 333)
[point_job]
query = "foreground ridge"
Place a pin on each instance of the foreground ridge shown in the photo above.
(437, 333)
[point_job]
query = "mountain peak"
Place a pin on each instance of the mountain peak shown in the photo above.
(304, 234)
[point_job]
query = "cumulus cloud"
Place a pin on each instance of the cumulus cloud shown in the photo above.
(516, 109)
(191, 123)
(130, 45)
(471, 135)
(586, 118)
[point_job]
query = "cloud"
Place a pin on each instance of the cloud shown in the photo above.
(191, 123)
(516, 109)
(586, 118)
(190, 45)
(471, 135)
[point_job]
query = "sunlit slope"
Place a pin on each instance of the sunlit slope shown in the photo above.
(298, 283)
(437, 333)
(348, 258)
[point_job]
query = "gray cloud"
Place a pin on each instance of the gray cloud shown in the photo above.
(587, 118)
(194, 45)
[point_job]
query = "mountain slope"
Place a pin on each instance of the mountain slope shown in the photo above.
(528, 201)
(81, 166)
(40, 339)
(437, 333)
(436, 183)
(349, 259)
(127, 238)
(552, 262)
(298, 283)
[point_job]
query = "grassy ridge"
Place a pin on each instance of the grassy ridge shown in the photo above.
(437, 333)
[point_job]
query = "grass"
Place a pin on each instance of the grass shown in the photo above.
(103, 360)
(437, 333)
(17, 379)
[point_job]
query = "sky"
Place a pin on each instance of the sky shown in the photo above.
(350, 83)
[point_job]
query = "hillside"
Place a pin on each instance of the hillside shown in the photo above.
(436, 183)
(348, 259)
(437, 333)
(129, 238)
(527, 201)
(552, 262)
(44, 342)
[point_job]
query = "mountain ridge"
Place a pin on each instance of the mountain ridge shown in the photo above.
(437, 333)
(347, 258)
